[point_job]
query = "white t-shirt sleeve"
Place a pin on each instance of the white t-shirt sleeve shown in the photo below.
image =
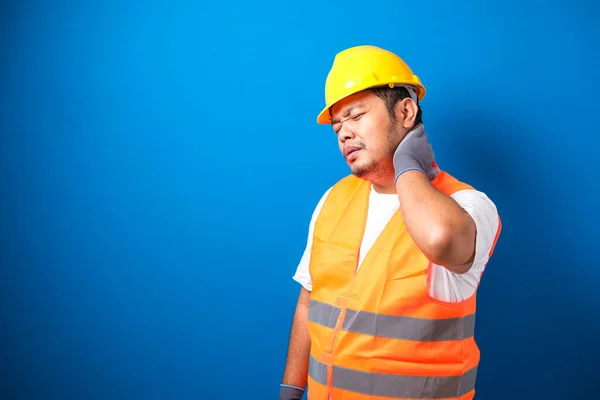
(302, 275)
(449, 286)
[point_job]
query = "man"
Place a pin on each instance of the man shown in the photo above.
(394, 255)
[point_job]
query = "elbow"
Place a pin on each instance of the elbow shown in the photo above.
(451, 248)
(439, 244)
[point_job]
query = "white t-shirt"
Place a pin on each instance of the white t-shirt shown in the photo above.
(445, 285)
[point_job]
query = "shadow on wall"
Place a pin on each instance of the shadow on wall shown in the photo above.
(537, 332)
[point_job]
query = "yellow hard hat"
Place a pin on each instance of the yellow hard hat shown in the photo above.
(362, 67)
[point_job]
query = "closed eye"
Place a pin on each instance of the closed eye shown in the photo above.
(355, 117)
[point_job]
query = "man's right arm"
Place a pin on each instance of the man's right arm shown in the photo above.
(295, 375)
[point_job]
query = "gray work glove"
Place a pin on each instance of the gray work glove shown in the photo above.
(290, 393)
(414, 153)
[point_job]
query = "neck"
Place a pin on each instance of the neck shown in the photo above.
(384, 184)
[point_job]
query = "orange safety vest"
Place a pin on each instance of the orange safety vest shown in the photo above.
(378, 334)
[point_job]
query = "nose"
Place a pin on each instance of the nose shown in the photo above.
(345, 133)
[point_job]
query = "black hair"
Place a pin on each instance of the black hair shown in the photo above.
(391, 96)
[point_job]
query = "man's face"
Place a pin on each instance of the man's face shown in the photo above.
(366, 134)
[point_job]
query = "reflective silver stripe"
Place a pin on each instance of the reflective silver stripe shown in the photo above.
(395, 386)
(317, 370)
(409, 328)
(323, 313)
(394, 327)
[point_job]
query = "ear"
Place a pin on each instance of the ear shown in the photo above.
(406, 112)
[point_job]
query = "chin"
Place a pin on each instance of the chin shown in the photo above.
(369, 171)
(363, 171)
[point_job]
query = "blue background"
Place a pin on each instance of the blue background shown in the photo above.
(159, 163)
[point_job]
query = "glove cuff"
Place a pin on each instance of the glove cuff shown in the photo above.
(289, 392)
(406, 162)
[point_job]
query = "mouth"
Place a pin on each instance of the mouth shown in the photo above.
(351, 151)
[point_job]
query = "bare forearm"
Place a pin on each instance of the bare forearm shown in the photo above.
(438, 225)
(296, 367)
